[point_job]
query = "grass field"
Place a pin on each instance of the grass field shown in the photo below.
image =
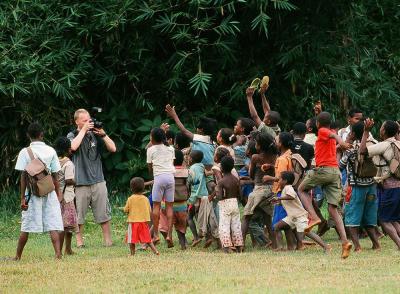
(105, 270)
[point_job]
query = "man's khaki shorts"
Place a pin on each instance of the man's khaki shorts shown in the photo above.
(329, 179)
(95, 196)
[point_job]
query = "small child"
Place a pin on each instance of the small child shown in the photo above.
(66, 178)
(242, 130)
(296, 214)
(180, 202)
(160, 160)
(227, 194)
(199, 200)
(138, 209)
(225, 139)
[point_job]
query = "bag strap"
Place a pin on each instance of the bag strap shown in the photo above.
(30, 153)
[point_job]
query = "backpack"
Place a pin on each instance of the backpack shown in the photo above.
(394, 164)
(364, 167)
(181, 188)
(39, 179)
(299, 166)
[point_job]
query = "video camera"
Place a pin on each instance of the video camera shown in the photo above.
(97, 124)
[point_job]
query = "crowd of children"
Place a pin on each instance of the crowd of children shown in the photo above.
(200, 180)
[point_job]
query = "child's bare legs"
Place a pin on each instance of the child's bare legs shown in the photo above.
(192, 225)
(306, 199)
(55, 239)
(371, 231)
(23, 238)
(132, 248)
(156, 220)
(245, 227)
(397, 227)
(354, 238)
(153, 248)
(170, 214)
(332, 209)
(281, 225)
(391, 231)
(300, 238)
(346, 245)
(68, 241)
(327, 248)
(182, 240)
(62, 237)
(290, 239)
(79, 237)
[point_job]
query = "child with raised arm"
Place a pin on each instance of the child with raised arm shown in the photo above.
(227, 194)
(327, 175)
(271, 119)
(138, 209)
(243, 128)
(201, 140)
(66, 178)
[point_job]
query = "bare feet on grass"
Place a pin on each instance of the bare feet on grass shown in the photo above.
(346, 248)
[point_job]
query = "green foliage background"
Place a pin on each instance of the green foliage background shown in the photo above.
(132, 57)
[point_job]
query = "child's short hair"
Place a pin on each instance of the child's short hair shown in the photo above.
(221, 153)
(313, 125)
(227, 164)
(137, 185)
(62, 146)
(247, 124)
(208, 125)
(391, 128)
(288, 176)
(286, 139)
(334, 125)
(299, 129)
(35, 130)
(227, 136)
(181, 141)
(358, 130)
(266, 143)
(158, 135)
(274, 117)
(178, 157)
(353, 111)
(324, 119)
(170, 135)
(196, 156)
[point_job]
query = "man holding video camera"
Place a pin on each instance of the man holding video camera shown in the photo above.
(90, 186)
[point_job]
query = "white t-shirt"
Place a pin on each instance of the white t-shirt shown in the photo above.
(162, 157)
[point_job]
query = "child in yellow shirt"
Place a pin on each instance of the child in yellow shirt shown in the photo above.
(138, 209)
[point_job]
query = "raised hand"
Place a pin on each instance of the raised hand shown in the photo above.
(250, 91)
(170, 110)
(368, 124)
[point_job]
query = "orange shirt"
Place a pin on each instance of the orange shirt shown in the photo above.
(138, 209)
(282, 163)
(325, 149)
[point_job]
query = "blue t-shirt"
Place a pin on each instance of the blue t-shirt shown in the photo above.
(205, 145)
(197, 181)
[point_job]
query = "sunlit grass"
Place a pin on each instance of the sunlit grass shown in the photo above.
(100, 269)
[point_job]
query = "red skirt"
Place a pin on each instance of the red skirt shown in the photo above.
(138, 233)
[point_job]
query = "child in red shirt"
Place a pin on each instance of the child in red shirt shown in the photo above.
(327, 175)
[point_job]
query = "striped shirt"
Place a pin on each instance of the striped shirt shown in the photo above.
(348, 162)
